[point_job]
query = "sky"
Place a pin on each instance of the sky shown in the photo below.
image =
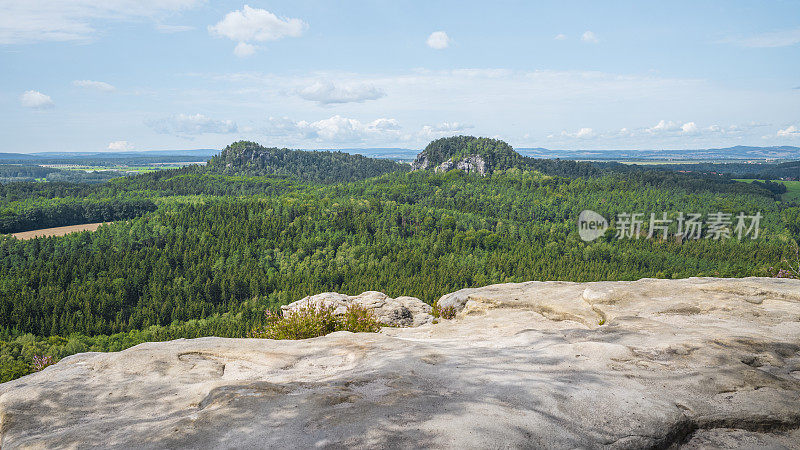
(82, 75)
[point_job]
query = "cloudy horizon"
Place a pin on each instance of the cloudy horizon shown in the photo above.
(178, 74)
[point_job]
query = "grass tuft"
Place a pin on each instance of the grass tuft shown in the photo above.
(444, 312)
(310, 321)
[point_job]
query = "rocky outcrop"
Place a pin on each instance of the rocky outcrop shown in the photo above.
(697, 363)
(421, 162)
(397, 312)
(469, 164)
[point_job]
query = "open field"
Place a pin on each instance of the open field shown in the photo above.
(58, 231)
(793, 192)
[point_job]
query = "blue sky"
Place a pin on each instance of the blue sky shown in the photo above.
(182, 74)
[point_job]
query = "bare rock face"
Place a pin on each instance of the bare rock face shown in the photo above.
(469, 164)
(696, 363)
(421, 162)
(398, 312)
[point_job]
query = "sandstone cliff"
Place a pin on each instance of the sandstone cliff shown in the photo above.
(652, 363)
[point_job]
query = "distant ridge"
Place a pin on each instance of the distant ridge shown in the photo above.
(199, 153)
(250, 158)
(739, 152)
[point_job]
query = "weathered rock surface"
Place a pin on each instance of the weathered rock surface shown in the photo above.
(469, 164)
(398, 312)
(699, 363)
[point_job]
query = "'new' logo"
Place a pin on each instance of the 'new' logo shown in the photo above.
(591, 225)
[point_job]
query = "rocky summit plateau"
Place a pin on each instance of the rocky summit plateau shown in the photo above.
(692, 363)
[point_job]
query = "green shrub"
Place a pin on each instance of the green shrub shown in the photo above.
(444, 312)
(311, 321)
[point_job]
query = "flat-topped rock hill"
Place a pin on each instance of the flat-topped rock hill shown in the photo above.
(695, 363)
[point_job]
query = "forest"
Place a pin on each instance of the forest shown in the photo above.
(205, 250)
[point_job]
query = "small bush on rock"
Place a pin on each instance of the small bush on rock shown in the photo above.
(444, 312)
(311, 321)
(40, 362)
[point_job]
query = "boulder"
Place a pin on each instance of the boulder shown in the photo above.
(397, 312)
(695, 363)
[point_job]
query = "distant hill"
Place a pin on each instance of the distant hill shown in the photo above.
(484, 156)
(17, 157)
(201, 153)
(468, 153)
(250, 158)
(739, 152)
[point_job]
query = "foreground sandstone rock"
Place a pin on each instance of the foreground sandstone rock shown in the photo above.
(697, 363)
(396, 312)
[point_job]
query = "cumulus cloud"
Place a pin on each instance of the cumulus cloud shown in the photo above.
(44, 20)
(583, 133)
(438, 40)
(120, 146)
(187, 125)
(668, 127)
(790, 131)
(590, 37)
(664, 126)
(36, 100)
(97, 85)
(326, 93)
(560, 37)
(547, 99)
(664, 129)
(243, 49)
(689, 128)
(336, 129)
(767, 40)
(255, 25)
(443, 129)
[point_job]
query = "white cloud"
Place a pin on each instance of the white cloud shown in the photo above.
(560, 37)
(336, 129)
(255, 25)
(664, 126)
(98, 85)
(666, 131)
(68, 20)
(443, 129)
(767, 40)
(36, 100)
(590, 37)
(165, 28)
(186, 125)
(790, 131)
(243, 49)
(514, 102)
(326, 93)
(438, 40)
(689, 128)
(120, 146)
(582, 133)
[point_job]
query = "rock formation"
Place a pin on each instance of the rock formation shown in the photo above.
(469, 164)
(396, 312)
(467, 153)
(697, 363)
